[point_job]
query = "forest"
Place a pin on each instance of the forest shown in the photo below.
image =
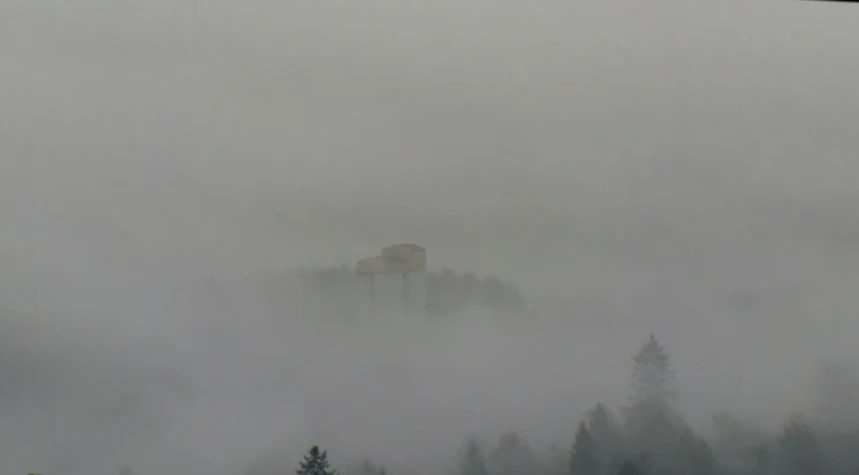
(650, 436)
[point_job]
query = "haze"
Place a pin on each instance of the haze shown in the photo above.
(679, 168)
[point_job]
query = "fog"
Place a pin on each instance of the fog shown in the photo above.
(677, 168)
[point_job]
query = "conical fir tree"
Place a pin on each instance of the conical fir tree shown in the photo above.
(652, 377)
(315, 463)
(606, 434)
(584, 459)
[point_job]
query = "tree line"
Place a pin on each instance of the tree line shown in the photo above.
(649, 436)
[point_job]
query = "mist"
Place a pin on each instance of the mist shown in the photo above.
(678, 169)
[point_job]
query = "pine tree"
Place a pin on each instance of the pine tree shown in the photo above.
(315, 463)
(652, 376)
(700, 458)
(472, 462)
(606, 433)
(799, 450)
(585, 457)
(513, 456)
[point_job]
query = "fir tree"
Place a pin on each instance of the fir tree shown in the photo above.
(606, 433)
(584, 458)
(315, 463)
(799, 450)
(652, 376)
(513, 456)
(700, 458)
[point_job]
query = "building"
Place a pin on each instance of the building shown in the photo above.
(396, 278)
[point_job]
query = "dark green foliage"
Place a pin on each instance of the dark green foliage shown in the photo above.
(513, 456)
(734, 436)
(585, 457)
(606, 433)
(448, 291)
(652, 423)
(315, 463)
(799, 451)
(653, 428)
(652, 376)
(699, 457)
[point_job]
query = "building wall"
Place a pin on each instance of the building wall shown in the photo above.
(391, 297)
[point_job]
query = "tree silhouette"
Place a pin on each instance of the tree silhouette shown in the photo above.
(315, 463)
(799, 450)
(652, 376)
(584, 457)
(513, 456)
(606, 433)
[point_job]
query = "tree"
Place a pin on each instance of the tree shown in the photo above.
(652, 376)
(585, 457)
(652, 423)
(699, 457)
(513, 456)
(472, 462)
(557, 461)
(606, 433)
(799, 451)
(315, 463)
(734, 436)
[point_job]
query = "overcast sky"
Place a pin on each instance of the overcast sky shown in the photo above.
(665, 165)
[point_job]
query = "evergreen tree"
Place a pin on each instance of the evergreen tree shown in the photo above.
(652, 376)
(513, 456)
(585, 457)
(799, 451)
(699, 457)
(734, 436)
(606, 433)
(315, 463)
(557, 461)
(472, 462)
